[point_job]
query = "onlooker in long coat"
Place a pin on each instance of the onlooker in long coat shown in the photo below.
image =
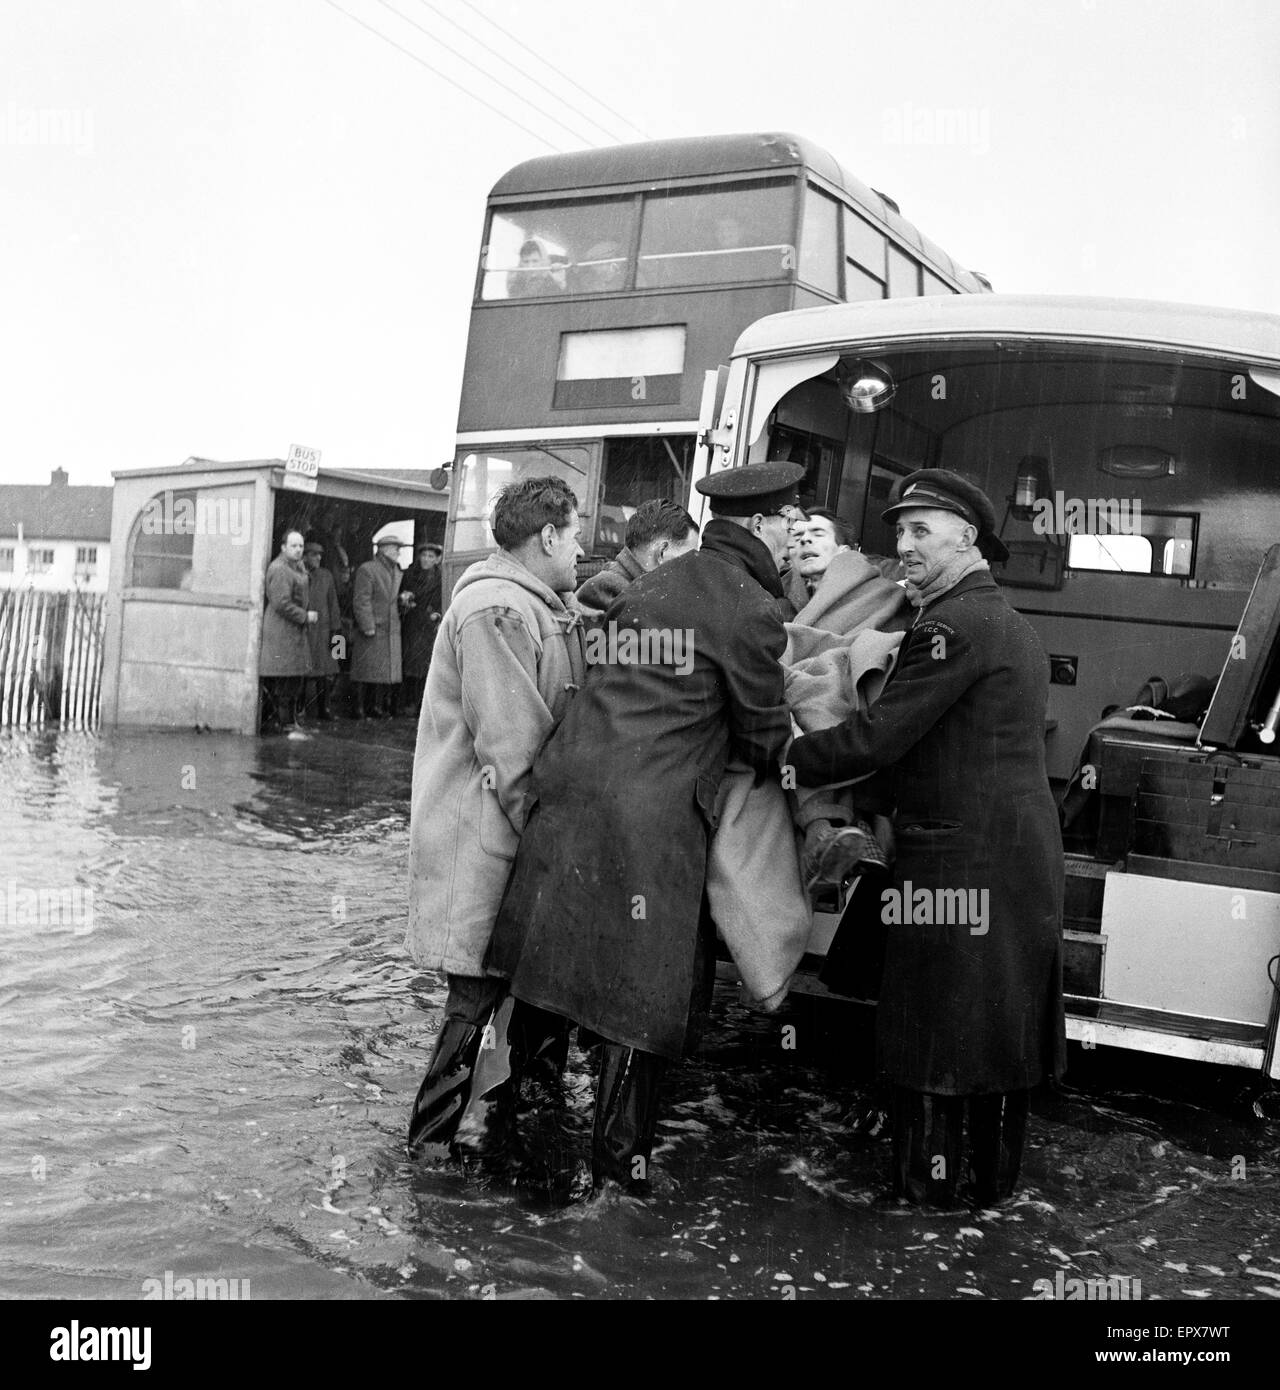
(603, 921)
(420, 621)
(970, 1011)
(324, 600)
(285, 656)
(375, 646)
(507, 662)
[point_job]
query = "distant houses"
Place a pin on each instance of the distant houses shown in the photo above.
(55, 536)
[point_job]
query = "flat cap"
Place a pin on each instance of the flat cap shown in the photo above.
(758, 487)
(949, 492)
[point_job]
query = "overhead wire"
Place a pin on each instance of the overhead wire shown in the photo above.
(484, 72)
(602, 104)
(417, 58)
(525, 73)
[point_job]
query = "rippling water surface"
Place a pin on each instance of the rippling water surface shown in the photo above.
(206, 1069)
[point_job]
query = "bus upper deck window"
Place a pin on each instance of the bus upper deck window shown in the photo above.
(558, 248)
(717, 236)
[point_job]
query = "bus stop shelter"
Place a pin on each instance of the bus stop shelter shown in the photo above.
(185, 599)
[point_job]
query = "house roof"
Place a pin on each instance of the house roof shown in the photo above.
(55, 512)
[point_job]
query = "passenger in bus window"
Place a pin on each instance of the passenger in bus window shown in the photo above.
(506, 663)
(602, 270)
(537, 274)
(970, 1016)
(657, 531)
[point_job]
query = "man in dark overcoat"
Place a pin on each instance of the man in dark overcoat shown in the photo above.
(324, 600)
(285, 658)
(603, 920)
(970, 1013)
(375, 644)
(423, 604)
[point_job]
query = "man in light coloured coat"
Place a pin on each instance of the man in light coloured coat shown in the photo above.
(375, 647)
(508, 658)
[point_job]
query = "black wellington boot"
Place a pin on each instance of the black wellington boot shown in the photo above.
(446, 1088)
(626, 1118)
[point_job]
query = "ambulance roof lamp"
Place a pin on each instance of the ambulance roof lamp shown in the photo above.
(866, 385)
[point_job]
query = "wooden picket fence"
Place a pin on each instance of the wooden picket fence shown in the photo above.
(51, 658)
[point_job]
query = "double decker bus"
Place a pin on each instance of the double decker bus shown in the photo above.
(610, 280)
(1132, 453)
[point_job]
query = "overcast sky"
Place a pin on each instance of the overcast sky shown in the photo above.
(256, 222)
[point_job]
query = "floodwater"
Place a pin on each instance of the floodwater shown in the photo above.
(206, 1066)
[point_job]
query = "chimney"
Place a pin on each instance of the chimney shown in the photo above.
(58, 478)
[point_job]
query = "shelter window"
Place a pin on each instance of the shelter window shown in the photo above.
(6, 559)
(193, 539)
(484, 475)
(161, 545)
(726, 235)
(820, 242)
(558, 248)
(40, 561)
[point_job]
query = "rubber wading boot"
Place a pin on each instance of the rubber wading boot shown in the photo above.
(626, 1118)
(446, 1088)
(487, 1128)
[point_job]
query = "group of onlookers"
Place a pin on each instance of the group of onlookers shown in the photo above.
(322, 631)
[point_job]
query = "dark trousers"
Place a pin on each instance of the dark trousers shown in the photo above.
(411, 694)
(280, 700)
(315, 693)
(928, 1145)
(455, 1086)
(373, 701)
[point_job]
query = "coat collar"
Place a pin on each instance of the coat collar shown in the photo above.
(628, 564)
(979, 579)
(739, 547)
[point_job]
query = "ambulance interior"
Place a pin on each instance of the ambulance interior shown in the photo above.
(1135, 490)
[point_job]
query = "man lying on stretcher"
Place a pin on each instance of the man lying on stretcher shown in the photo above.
(840, 647)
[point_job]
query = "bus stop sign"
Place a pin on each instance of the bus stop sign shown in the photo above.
(301, 468)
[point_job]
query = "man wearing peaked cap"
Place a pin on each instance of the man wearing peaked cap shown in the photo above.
(604, 920)
(970, 1017)
(949, 492)
(758, 489)
(375, 646)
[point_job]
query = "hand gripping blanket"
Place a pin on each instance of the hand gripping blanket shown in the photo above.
(840, 649)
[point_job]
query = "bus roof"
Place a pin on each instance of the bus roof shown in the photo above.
(1236, 333)
(658, 161)
(708, 156)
